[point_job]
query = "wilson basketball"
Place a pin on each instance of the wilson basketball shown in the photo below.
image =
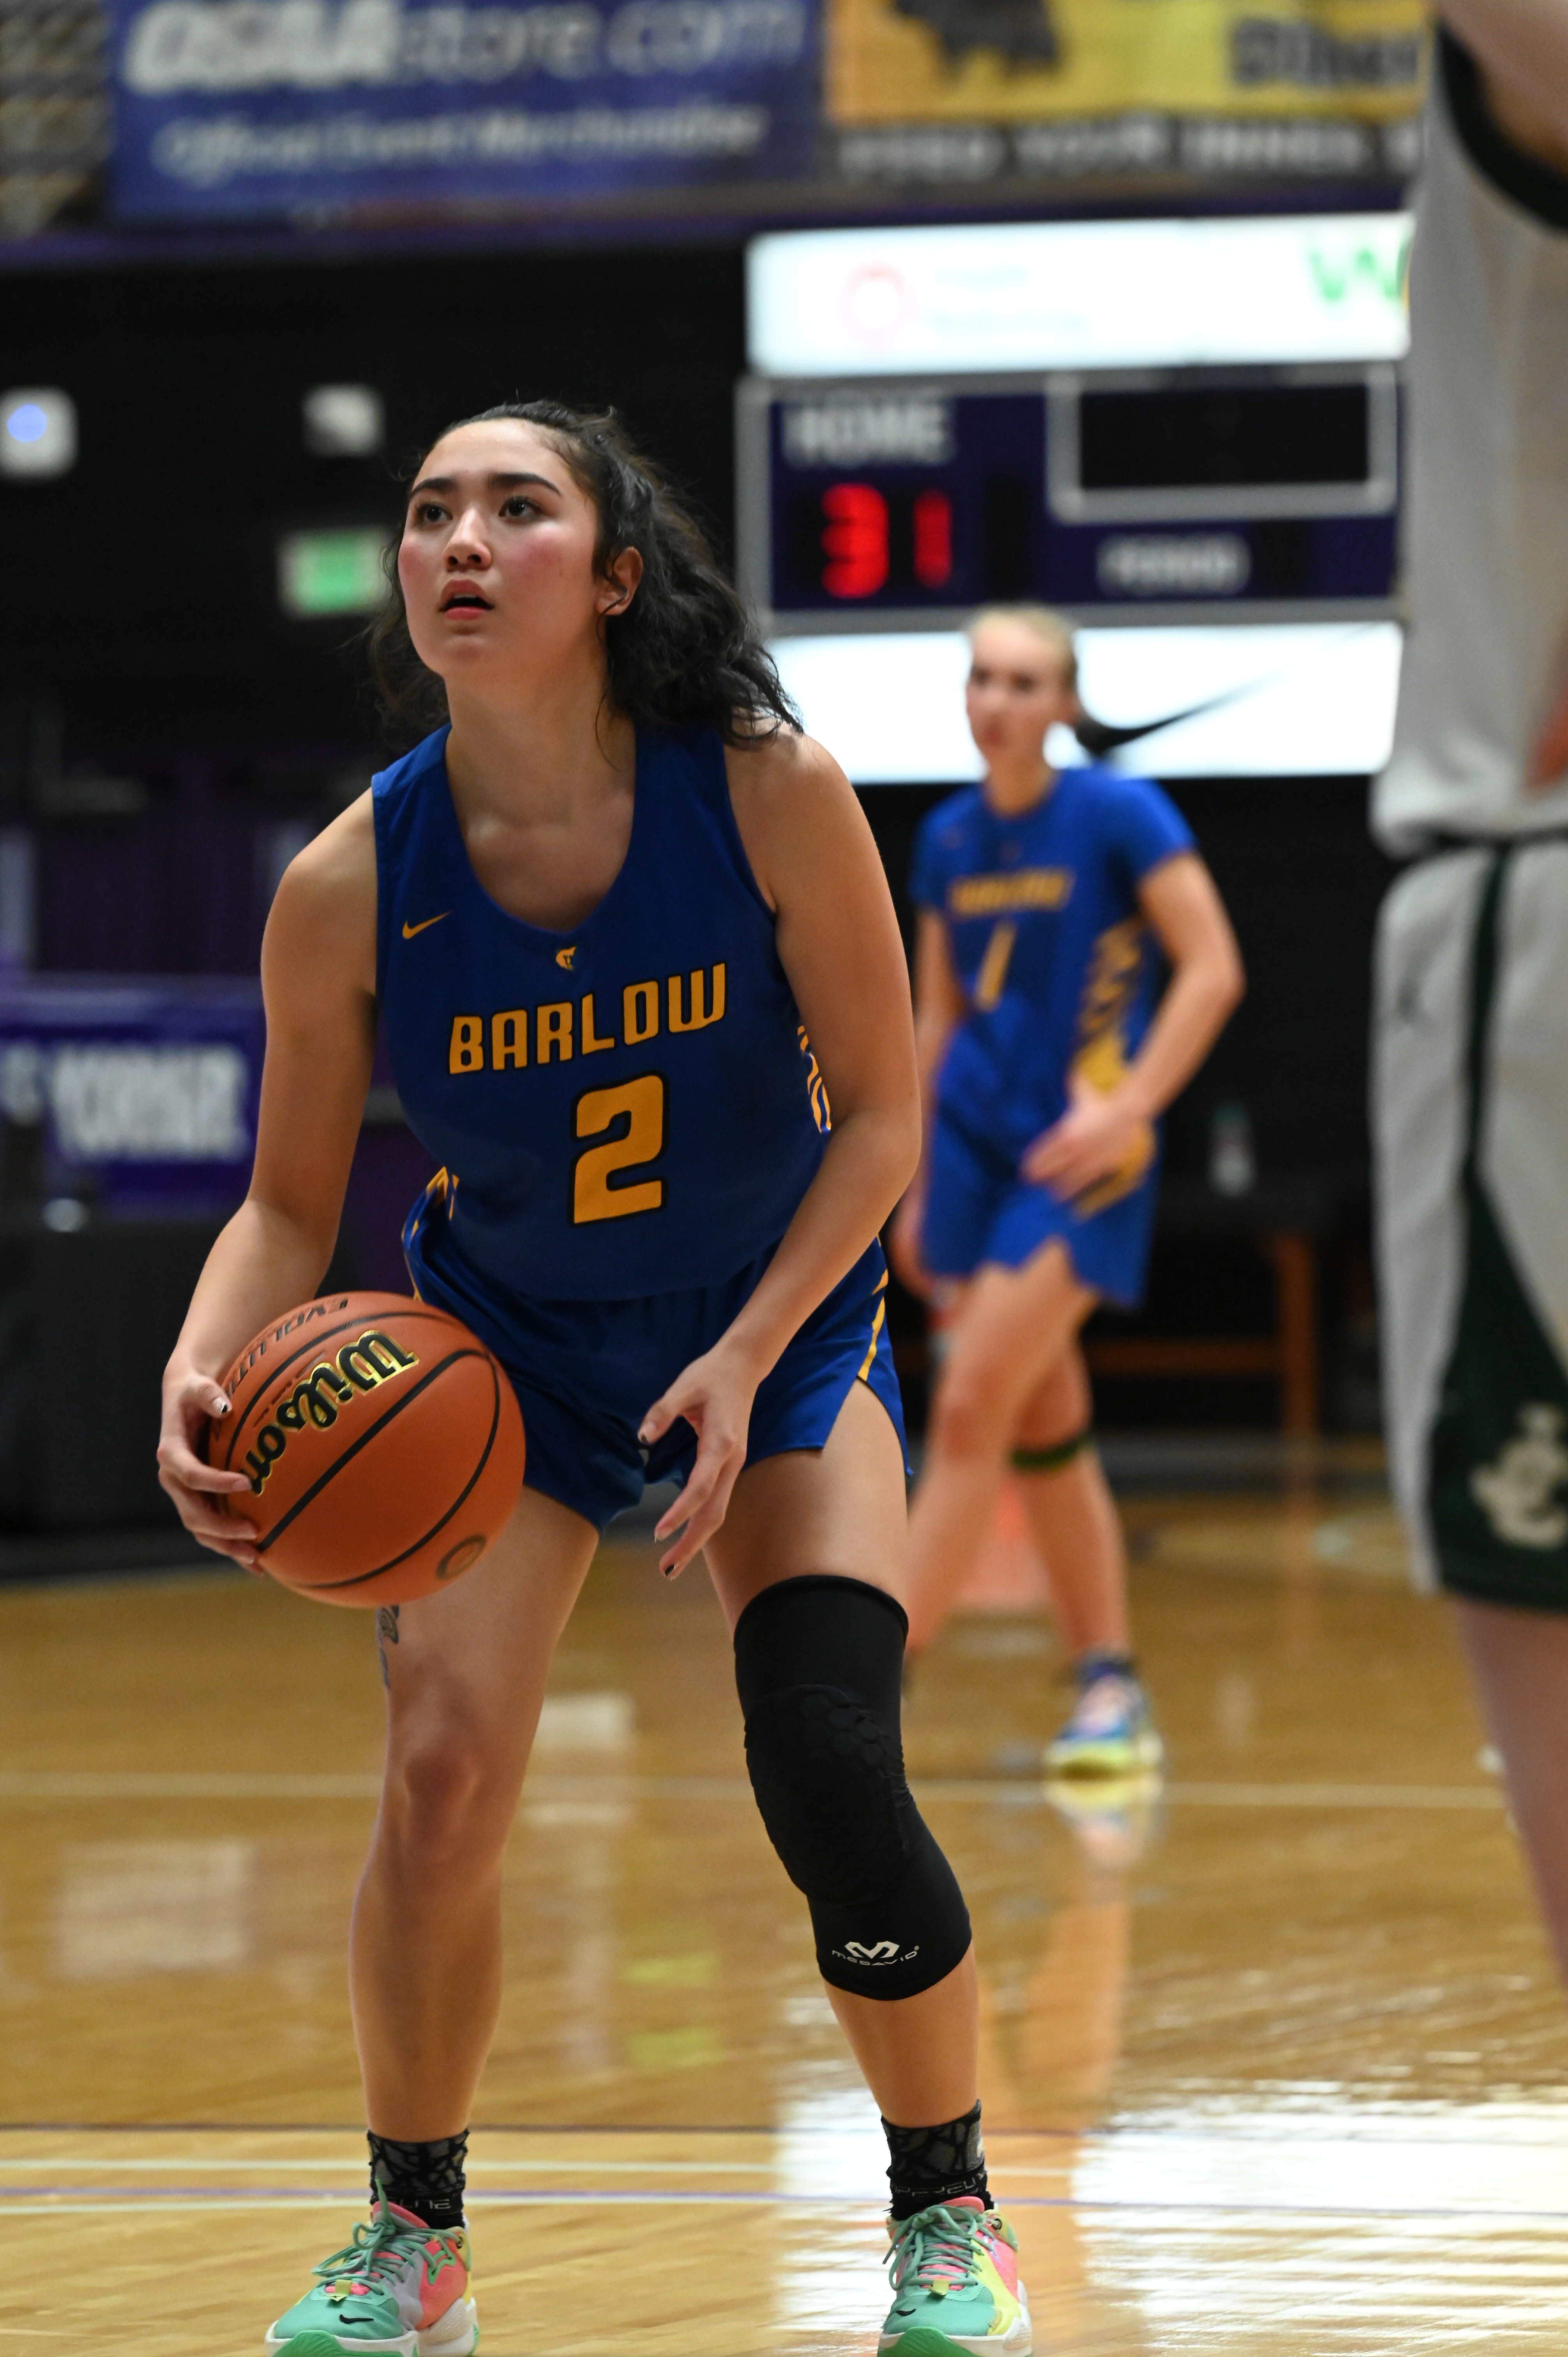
(382, 1444)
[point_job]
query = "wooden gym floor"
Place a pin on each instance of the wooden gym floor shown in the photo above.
(1276, 2065)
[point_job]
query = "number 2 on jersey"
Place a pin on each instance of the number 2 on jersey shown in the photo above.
(641, 1103)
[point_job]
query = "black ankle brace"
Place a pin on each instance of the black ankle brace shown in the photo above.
(425, 2178)
(940, 2164)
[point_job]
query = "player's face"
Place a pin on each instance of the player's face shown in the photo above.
(496, 557)
(1014, 692)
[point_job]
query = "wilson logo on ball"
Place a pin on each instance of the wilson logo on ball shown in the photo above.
(379, 1445)
(320, 1397)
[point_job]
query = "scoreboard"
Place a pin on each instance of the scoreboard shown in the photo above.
(1183, 432)
(1269, 492)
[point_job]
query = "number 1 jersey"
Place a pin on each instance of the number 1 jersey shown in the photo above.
(627, 1108)
(1049, 942)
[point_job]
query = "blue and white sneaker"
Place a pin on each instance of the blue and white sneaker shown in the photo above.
(1111, 1732)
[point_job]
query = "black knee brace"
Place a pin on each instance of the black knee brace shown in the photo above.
(818, 1663)
(1052, 1460)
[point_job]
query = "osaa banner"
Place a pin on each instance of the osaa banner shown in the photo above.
(302, 109)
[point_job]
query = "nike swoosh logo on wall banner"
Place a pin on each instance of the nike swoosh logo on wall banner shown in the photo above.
(423, 926)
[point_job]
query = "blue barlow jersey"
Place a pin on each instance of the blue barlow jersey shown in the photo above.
(627, 1108)
(1047, 942)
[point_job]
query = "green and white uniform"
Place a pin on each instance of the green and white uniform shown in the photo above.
(1470, 1085)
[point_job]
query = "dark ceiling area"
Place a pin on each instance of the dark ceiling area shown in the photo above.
(138, 601)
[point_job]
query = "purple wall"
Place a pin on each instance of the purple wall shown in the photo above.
(391, 1169)
(183, 887)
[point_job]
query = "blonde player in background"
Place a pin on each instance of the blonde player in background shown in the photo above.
(1048, 1052)
(1471, 1056)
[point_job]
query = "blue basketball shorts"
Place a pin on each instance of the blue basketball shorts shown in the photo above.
(587, 1372)
(979, 1208)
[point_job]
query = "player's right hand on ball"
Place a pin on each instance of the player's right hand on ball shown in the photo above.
(191, 1402)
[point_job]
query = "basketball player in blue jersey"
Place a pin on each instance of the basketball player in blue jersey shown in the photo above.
(1045, 1066)
(629, 937)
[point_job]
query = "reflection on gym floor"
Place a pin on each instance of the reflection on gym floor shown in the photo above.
(1273, 2061)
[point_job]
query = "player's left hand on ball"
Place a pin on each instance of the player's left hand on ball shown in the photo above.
(714, 1395)
(192, 1399)
(1096, 1134)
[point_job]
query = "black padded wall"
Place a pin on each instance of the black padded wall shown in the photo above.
(139, 590)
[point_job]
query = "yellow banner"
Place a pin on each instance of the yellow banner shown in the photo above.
(910, 61)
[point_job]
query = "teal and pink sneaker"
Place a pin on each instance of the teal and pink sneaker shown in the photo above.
(399, 2290)
(955, 2285)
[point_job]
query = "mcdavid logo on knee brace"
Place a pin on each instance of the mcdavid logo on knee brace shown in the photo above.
(875, 1952)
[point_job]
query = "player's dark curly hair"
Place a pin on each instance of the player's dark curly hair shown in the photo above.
(683, 653)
